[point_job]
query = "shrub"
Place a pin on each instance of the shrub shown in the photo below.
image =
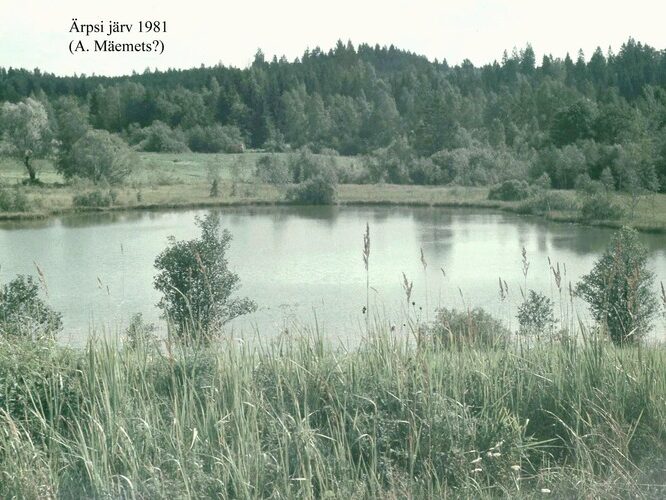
(271, 170)
(600, 208)
(511, 190)
(215, 139)
(305, 165)
(13, 200)
(139, 333)
(453, 328)
(318, 190)
(100, 157)
(159, 138)
(535, 315)
(95, 199)
(196, 283)
(24, 314)
(620, 289)
(547, 201)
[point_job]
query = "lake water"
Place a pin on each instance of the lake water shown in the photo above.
(305, 265)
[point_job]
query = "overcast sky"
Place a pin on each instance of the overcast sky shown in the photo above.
(35, 33)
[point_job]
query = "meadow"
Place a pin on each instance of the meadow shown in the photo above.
(165, 180)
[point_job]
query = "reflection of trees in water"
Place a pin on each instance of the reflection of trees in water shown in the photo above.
(106, 218)
(435, 231)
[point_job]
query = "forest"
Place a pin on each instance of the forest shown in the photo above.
(561, 122)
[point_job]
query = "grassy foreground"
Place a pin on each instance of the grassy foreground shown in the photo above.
(299, 419)
(163, 180)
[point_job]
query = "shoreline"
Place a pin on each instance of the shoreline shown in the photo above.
(347, 201)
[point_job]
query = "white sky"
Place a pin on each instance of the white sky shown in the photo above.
(35, 33)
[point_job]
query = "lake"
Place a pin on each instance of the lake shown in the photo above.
(303, 265)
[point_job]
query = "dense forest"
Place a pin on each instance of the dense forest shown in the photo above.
(417, 121)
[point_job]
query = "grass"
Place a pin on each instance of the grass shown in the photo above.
(298, 418)
(162, 180)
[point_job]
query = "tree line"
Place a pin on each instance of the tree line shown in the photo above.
(416, 121)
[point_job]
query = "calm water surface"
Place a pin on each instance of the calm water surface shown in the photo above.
(305, 264)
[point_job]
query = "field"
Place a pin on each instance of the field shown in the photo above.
(162, 180)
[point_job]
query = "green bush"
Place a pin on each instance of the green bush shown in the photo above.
(620, 289)
(24, 314)
(197, 284)
(272, 170)
(600, 208)
(318, 190)
(95, 199)
(453, 328)
(215, 139)
(159, 138)
(511, 190)
(547, 201)
(13, 200)
(535, 315)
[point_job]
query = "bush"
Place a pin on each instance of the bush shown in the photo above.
(620, 289)
(453, 328)
(600, 208)
(272, 170)
(535, 315)
(159, 138)
(512, 190)
(547, 201)
(140, 334)
(100, 157)
(318, 190)
(215, 139)
(197, 285)
(95, 199)
(24, 314)
(305, 165)
(13, 200)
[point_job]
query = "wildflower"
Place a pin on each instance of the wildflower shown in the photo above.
(478, 469)
(515, 468)
(476, 460)
(545, 490)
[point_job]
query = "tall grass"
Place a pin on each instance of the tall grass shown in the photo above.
(298, 418)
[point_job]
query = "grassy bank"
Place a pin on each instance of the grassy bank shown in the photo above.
(182, 180)
(299, 419)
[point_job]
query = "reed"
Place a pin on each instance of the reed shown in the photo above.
(299, 417)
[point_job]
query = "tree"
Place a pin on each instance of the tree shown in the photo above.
(535, 314)
(99, 156)
(23, 313)
(196, 283)
(26, 133)
(620, 289)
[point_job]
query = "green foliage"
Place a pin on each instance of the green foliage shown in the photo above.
(25, 132)
(535, 315)
(272, 170)
(456, 329)
(215, 139)
(24, 314)
(159, 138)
(387, 418)
(197, 284)
(100, 157)
(597, 207)
(620, 289)
(512, 190)
(317, 190)
(140, 334)
(95, 199)
(13, 200)
(547, 201)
